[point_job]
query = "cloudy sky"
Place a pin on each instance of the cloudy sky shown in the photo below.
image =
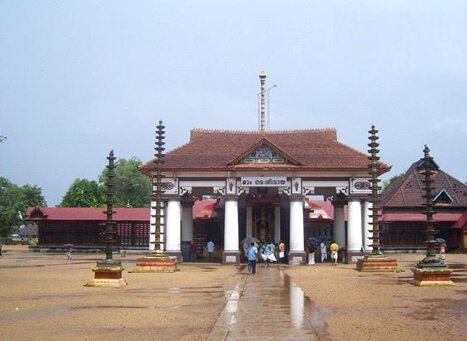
(79, 78)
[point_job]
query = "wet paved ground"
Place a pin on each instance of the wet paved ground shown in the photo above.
(268, 306)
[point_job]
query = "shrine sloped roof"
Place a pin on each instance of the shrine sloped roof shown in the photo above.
(87, 213)
(462, 221)
(407, 191)
(309, 149)
(205, 209)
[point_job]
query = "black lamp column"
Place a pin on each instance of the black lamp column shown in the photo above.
(108, 272)
(157, 260)
(110, 233)
(375, 261)
(428, 168)
(431, 270)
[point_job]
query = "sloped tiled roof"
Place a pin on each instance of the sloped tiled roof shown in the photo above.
(310, 150)
(419, 217)
(87, 213)
(204, 209)
(320, 210)
(462, 221)
(407, 191)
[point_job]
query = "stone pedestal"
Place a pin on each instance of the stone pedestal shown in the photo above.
(376, 263)
(432, 271)
(177, 255)
(231, 257)
(108, 273)
(297, 257)
(156, 263)
(350, 257)
(432, 276)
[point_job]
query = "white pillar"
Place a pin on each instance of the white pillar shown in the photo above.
(367, 225)
(231, 225)
(296, 225)
(354, 225)
(187, 223)
(249, 221)
(173, 226)
(339, 225)
(231, 252)
(277, 224)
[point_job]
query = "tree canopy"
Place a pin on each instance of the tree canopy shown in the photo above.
(131, 188)
(14, 200)
(84, 193)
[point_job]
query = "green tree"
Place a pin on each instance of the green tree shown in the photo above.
(84, 193)
(132, 188)
(14, 200)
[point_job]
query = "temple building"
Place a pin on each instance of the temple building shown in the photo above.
(231, 186)
(262, 179)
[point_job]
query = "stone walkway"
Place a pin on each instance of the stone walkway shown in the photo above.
(267, 306)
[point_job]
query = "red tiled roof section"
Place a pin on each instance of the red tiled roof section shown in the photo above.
(462, 221)
(87, 213)
(214, 149)
(407, 191)
(205, 209)
(419, 217)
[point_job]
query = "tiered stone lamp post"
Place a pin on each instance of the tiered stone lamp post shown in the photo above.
(431, 270)
(157, 260)
(376, 260)
(108, 272)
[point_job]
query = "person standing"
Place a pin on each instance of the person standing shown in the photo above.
(273, 252)
(442, 251)
(281, 252)
(193, 250)
(252, 256)
(266, 254)
(210, 247)
(324, 252)
(245, 247)
(334, 249)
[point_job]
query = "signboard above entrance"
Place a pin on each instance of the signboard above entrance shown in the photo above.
(261, 181)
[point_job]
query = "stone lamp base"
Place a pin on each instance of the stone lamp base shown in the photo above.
(376, 263)
(108, 273)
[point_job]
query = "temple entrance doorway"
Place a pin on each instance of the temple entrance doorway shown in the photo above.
(263, 222)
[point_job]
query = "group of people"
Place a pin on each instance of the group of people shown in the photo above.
(323, 250)
(267, 252)
(270, 252)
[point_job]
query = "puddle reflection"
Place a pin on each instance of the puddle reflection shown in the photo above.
(232, 306)
(270, 295)
(297, 305)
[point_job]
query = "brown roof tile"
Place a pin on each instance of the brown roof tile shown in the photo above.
(407, 190)
(308, 149)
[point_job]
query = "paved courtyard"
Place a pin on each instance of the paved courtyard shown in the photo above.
(42, 296)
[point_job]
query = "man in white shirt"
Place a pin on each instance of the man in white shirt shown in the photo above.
(211, 248)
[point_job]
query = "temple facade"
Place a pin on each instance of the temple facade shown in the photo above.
(262, 180)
